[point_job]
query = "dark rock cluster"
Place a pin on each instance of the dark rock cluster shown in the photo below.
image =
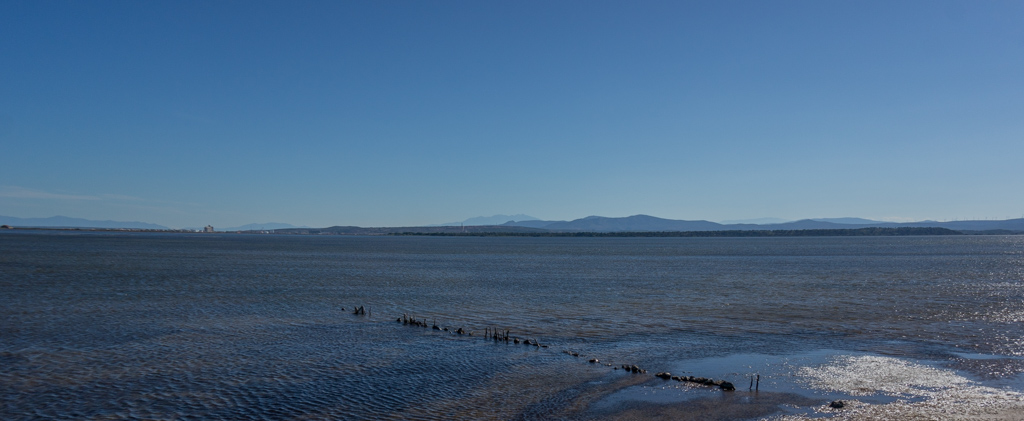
(724, 385)
(633, 369)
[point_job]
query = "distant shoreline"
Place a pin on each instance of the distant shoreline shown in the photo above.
(478, 232)
(857, 232)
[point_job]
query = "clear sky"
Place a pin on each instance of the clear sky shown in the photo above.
(388, 113)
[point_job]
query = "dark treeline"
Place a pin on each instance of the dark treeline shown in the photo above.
(859, 232)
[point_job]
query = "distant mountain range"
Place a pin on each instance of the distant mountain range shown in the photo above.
(66, 222)
(768, 221)
(756, 221)
(526, 223)
(642, 223)
(646, 223)
(488, 220)
(854, 221)
(630, 223)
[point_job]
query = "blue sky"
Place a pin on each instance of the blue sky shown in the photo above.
(387, 113)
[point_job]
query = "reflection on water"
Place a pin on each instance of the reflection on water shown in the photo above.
(229, 326)
(760, 379)
(923, 391)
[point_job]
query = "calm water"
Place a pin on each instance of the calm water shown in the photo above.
(165, 326)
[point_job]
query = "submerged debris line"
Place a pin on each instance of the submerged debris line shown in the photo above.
(722, 384)
(504, 335)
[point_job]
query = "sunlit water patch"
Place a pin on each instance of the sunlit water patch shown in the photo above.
(922, 391)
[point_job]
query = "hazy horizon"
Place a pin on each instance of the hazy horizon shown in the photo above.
(66, 221)
(407, 113)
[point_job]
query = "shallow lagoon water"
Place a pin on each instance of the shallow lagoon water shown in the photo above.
(162, 326)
